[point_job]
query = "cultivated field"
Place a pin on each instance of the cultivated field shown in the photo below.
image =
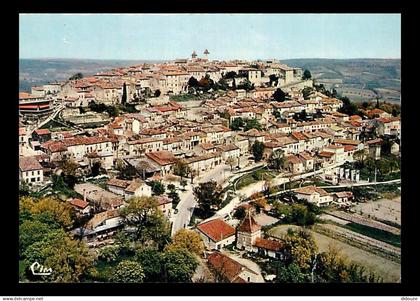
(389, 270)
(381, 210)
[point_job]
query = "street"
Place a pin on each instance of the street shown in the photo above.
(186, 206)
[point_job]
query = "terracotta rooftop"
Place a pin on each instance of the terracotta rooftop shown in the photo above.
(216, 229)
(311, 190)
(162, 157)
(268, 244)
(229, 268)
(79, 203)
(249, 224)
(29, 163)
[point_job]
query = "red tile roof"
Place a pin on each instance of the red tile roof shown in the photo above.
(216, 229)
(249, 225)
(29, 163)
(226, 266)
(79, 203)
(162, 157)
(268, 244)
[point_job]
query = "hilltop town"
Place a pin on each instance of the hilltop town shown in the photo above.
(221, 157)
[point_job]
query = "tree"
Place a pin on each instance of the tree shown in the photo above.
(181, 168)
(128, 271)
(124, 94)
(208, 194)
(276, 160)
(246, 85)
(300, 248)
(237, 124)
(151, 261)
(291, 274)
(306, 74)
(59, 211)
(145, 221)
(187, 239)
(157, 187)
(109, 253)
(231, 74)
(76, 76)
(112, 111)
(279, 95)
(252, 124)
(348, 107)
(179, 265)
(193, 82)
(157, 93)
(96, 168)
(70, 260)
(231, 161)
(31, 231)
(258, 151)
(360, 156)
(183, 183)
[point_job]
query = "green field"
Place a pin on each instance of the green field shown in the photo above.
(378, 234)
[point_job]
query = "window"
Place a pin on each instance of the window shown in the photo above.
(33, 173)
(39, 172)
(38, 179)
(33, 180)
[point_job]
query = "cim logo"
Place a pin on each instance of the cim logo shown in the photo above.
(39, 270)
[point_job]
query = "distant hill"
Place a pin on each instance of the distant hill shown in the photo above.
(34, 72)
(359, 79)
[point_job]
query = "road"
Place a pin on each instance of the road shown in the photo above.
(186, 206)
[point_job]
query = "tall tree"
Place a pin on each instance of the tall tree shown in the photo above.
(276, 160)
(145, 221)
(124, 94)
(208, 194)
(179, 265)
(306, 74)
(258, 151)
(279, 95)
(252, 124)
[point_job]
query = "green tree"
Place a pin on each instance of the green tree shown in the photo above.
(276, 160)
(31, 231)
(124, 94)
(291, 274)
(208, 194)
(128, 271)
(252, 124)
(157, 93)
(237, 124)
(76, 76)
(258, 151)
(145, 221)
(109, 253)
(306, 74)
(70, 260)
(274, 79)
(279, 95)
(151, 261)
(181, 168)
(240, 213)
(157, 187)
(96, 169)
(179, 265)
(231, 161)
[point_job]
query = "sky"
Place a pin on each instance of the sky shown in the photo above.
(226, 36)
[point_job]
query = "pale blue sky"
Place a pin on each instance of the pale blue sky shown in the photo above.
(226, 36)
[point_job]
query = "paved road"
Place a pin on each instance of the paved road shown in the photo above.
(57, 110)
(186, 205)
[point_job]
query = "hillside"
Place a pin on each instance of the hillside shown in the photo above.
(34, 72)
(359, 79)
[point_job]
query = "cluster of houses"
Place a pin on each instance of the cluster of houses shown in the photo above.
(161, 134)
